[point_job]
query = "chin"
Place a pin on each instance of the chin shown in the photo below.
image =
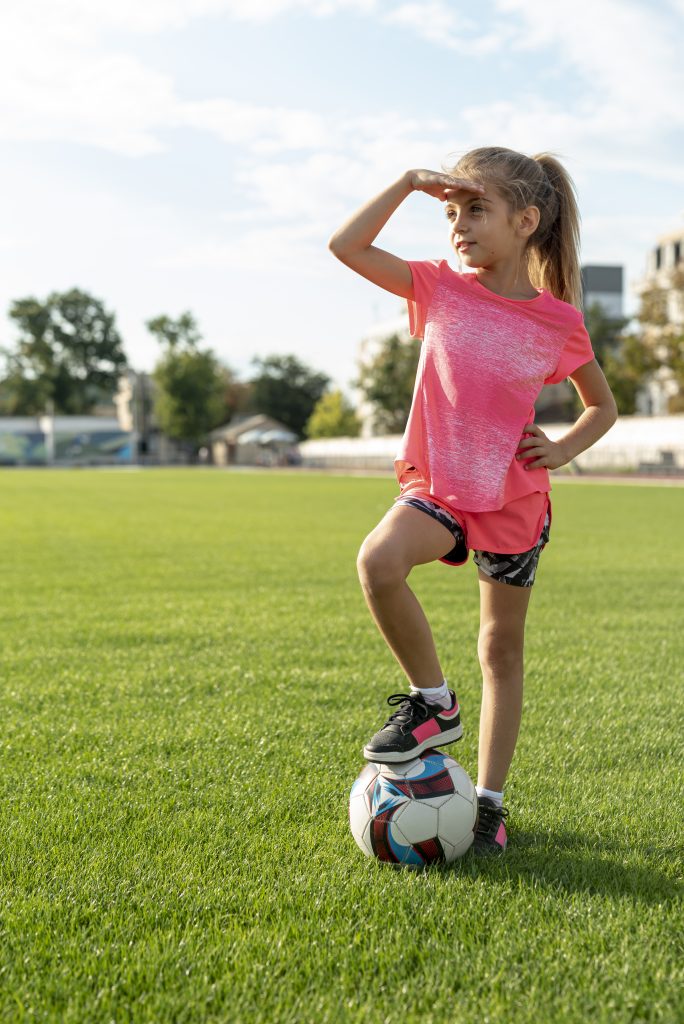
(466, 259)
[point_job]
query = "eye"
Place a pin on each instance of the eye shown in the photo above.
(450, 213)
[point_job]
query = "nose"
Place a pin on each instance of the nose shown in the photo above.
(457, 220)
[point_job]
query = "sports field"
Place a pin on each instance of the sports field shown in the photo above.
(189, 672)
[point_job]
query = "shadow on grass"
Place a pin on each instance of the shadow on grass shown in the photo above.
(568, 862)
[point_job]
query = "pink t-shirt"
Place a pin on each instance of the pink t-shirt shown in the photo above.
(483, 361)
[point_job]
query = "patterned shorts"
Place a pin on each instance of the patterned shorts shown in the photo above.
(516, 569)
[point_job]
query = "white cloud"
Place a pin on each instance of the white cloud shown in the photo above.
(61, 79)
(439, 23)
(628, 54)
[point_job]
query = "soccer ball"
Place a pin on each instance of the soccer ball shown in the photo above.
(416, 812)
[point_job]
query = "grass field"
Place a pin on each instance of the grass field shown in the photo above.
(189, 673)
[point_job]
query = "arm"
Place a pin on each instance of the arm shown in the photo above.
(352, 243)
(600, 410)
(600, 413)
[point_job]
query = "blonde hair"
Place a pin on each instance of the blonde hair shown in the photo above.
(552, 251)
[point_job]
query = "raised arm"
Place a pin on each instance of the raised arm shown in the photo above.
(352, 243)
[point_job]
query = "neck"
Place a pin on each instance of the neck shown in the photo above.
(511, 281)
(530, 292)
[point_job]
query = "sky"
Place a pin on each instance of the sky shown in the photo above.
(197, 155)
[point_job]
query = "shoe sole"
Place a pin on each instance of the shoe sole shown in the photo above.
(396, 756)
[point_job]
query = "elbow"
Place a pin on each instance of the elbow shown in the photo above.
(612, 411)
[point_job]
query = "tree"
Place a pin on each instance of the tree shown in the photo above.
(190, 382)
(629, 360)
(671, 338)
(333, 416)
(625, 359)
(674, 358)
(69, 353)
(287, 390)
(627, 370)
(388, 381)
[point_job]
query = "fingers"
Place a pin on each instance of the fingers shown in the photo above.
(462, 184)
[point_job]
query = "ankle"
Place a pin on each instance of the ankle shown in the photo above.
(434, 694)
(492, 794)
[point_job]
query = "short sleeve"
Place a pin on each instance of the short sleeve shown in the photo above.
(425, 274)
(576, 352)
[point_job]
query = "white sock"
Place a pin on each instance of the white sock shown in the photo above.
(434, 694)
(492, 794)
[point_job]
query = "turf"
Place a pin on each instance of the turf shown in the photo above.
(189, 673)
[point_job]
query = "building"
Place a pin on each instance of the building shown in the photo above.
(603, 284)
(664, 259)
(253, 440)
(134, 403)
(664, 267)
(64, 441)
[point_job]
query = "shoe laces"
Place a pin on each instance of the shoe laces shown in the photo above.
(411, 706)
(489, 818)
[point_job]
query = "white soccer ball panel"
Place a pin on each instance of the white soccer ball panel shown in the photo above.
(463, 784)
(365, 778)
(359, 818)
(457, 820)
(417, 821)
(365, 843)
(449, 850)
(464, 845)
(436, 801)
(402, 770)
(401, 846)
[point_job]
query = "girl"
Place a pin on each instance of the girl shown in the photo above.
(472, 466)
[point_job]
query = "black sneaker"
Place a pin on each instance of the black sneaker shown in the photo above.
(415, 727)
(490, 831)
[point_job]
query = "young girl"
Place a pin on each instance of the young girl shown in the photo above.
(473, 466)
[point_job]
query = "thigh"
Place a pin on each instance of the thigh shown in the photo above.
(408, 536)
(503, 610)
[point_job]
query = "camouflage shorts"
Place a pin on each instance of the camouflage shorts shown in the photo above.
(516, 569)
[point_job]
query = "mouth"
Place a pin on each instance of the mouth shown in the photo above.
(463, 246)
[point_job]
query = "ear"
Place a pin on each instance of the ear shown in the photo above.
(528, 220)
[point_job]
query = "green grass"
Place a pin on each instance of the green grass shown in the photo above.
(189, 672)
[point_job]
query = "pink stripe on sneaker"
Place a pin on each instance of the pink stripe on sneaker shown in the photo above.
(501, 836)
(427, 729)
(451, 712)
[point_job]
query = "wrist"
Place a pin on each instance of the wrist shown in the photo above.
(407, 178)
(566, 454)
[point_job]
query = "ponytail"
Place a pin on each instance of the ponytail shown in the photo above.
(554, 247)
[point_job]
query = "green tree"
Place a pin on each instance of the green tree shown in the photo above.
(672, 341)
(627, 370)
(69, 354)
(287, 390)
(673, 345)
(622, 364)
(333, 416)
(190, 383)
(387, 382)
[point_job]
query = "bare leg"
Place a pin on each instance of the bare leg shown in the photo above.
(403, 538)
(503, 609)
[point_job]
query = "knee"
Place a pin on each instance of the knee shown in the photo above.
(377, 567)
(500, 649)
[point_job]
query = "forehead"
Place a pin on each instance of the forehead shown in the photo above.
(467, 197)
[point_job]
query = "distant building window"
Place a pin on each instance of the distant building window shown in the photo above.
(658, 255)
(677, 252)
